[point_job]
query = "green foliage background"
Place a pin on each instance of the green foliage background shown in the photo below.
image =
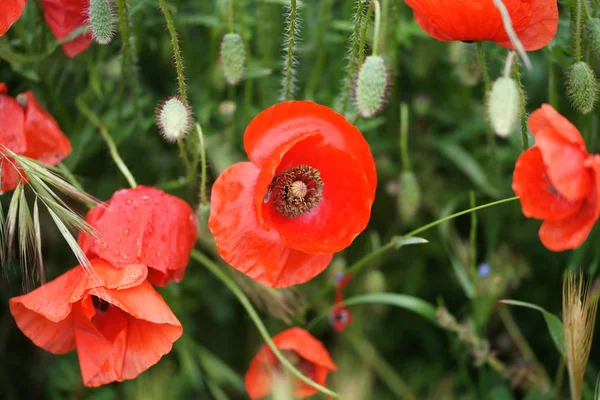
(397, 354)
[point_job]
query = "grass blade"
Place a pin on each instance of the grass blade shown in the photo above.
(38, 242)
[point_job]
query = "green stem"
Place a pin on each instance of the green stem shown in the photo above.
(89, 114)
(473, 236)
(125, 42)
(487, 87)
(202, 149)
(523, 105)
(377, 27)
(230, 15)
(243, 299)
(559, 379)
(288, 85)
(578, 26)
(404, 120)
(349, 80)
(176, 50)
(363, 37)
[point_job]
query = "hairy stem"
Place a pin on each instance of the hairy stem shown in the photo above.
(288, 79)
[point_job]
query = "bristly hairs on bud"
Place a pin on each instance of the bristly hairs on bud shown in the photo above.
(174, 119)
(582, 87)
(290, 46)
(101, 17)
(504, 101)
(233, 58)
(592, 34)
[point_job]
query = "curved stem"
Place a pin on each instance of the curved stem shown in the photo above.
(523, 101)
(176, 50)
(404, 137)
(222, 276)
(363, 37)
(89, 114)
(487, 87)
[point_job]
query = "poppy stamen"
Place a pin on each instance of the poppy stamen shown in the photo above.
(296, 191)
(100, 304)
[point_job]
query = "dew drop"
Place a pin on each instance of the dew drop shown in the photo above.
(146, 199)
(159, 253)
(124, 256)
(103, 246)
(126, 232)
(128, 202)
(119, 240)
(116, 253)
(267, 196)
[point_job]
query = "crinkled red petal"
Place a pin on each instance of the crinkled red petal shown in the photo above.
(539, 199)
(146, 226)
(64, 17)
(546, 118)
(342, 213)
(244, 244)
(10, 11)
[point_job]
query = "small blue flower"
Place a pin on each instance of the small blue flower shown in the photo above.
(484, 270)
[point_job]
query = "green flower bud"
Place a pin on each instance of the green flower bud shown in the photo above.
(371, 86)
(409, 195)
(582, 87)
(592, 30)
(174, 119)
(503, 106)
(101, 18)
(233, 57)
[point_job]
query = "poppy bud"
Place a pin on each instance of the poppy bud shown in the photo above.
(592, 28)
(582, 88)
(409, 195)
(101, 17)
(174, 119)
(503, 106)
(371, 86)
(233, 57)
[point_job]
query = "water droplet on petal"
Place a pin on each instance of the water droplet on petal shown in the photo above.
(119, 240)
(103, 246)
(267, 196)
(158, 253)
(128, 202)
(124, 256)
(126, 232)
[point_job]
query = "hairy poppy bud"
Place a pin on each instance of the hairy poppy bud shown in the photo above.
(174, 119)
(409, 195)
(466, 63)
(233, 57)
(592, 29)
(582, 88)
(371, 86)
(101, 16)
(503, 106)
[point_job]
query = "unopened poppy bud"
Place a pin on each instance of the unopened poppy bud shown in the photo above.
(371, 86)
(582, 87)
(233, 57)
(101, 16)
(503, 106)
(174, 119)
(409, 195)
(592, 28)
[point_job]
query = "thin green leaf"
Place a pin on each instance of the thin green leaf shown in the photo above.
(400, 241)
(410, 303)
(26, 240)
(220, 372)
(216, 391)
(461, 274)
(38, 241)
(11, 220)
(468, 165)
(554, 324)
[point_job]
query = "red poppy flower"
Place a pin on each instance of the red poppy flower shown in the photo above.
(10, 11)
(307, 354)
(535, 21)
(557, 181)
(27, 129)
(118, 323)
(306, 194)
(64, 17)
(143, 225)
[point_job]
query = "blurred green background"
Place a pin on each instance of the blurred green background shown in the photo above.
(388, 353)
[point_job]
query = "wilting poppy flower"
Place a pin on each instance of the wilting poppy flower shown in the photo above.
(64, 17)
(27, 129)
(10, 11)
(146, 226)
(557, 181)
(305, 352)
(118, 323)
(306, 194)
(535, 21)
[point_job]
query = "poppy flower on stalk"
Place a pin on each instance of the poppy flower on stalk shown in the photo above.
(63, 18)
(305, 352)
(558, 181)
(306, 194)
(10, 11)
(340, 316)
(143, 225)
(119, 325)
(27, 129)
(535, 21)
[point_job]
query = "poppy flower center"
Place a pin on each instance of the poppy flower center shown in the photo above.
(99, 304)
(296, 190)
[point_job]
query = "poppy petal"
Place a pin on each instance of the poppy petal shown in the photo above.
(538, 197)
(534, 21)
(306, 345)
(546, 118)
(110, 277)
(45, 140)
(147, 226)
(244, 244)
(571, 232)
(10, 11)
(65, 16)
(565, 165)
(326, 228)
(289, 120)
(45, 314)
(12, 129)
